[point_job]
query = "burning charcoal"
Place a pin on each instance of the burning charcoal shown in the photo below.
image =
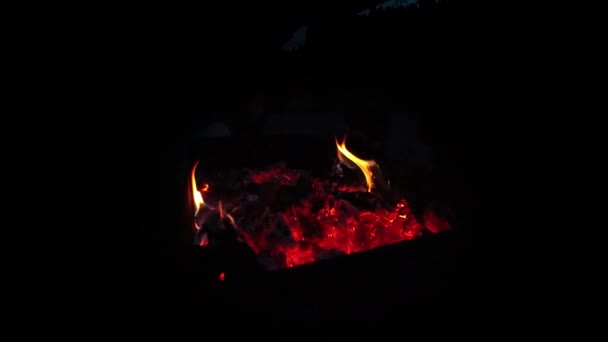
(389, 233)
(364, 238)
(328, 222)
(301, 253)
(348, 208)
(286, 217)
(382, 213)
(392, 216)
(411, 230)
(403, 213)
(317, 184)
(277, 173)
(291, 177)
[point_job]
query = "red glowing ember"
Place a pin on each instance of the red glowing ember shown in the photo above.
(289, 218)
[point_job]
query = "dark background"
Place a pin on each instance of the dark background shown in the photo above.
(215, 63)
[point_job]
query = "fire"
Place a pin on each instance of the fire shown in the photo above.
(291, 218)
(196, 194)
(366, 166)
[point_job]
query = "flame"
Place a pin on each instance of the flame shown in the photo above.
(196, 195)
(338, 227)
(364, 165)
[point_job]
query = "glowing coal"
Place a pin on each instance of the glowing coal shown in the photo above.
(289, 218)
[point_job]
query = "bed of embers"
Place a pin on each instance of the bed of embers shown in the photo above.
(289, 217)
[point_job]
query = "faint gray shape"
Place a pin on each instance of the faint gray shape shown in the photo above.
(396, 4)
(217, 129)
(389, 5)
(297, 40)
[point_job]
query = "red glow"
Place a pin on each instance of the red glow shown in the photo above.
(342, 228)
(435, 223)
(324, 222)
(222, 276)
(276, 174)
(288, 222)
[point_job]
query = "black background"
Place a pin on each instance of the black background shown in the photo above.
(210, 60)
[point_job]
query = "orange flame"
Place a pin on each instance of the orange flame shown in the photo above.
(364, 165)
(196, 195)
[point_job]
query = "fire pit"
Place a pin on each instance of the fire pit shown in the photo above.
(289, 216)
